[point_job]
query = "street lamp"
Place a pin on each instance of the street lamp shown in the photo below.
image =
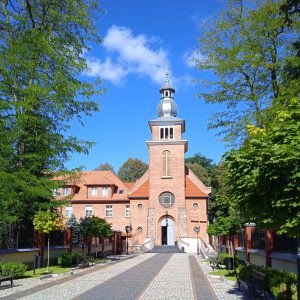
(197, 230)
(128, 229)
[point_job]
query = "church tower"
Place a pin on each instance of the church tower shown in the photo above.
(167, 168)
(168, 201)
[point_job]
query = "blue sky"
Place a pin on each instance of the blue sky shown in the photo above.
(141, 40)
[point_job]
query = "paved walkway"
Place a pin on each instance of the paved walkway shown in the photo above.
(144, 277)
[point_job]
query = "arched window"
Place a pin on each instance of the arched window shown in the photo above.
(166, 163)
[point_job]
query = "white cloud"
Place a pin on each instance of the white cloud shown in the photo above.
(106, 70)
(130, 54)
(192, 58)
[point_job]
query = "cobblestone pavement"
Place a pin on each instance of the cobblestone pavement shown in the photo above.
(173, 281)
(202, 288)
(163, 276)
(129, 284)
(224, 289)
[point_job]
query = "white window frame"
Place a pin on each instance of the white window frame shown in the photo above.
(108, 211)
(69, 212)
(127, 211)
(54, 192)
(89, 211)
(104, 191)
(94, 191)
(65, 191)
(166, 133)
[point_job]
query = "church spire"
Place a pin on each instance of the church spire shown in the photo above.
(167, 107)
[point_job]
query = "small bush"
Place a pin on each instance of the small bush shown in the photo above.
(67, 259)
(222, 258)
(15, 269)
(283, 285)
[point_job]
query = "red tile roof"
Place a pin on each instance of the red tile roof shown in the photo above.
(142, 192)
(191, 190)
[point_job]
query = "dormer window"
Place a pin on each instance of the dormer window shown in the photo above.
(105, 191)
(166, 133)
(65, 191)
(94, 191)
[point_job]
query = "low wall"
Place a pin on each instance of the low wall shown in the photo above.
(26, 256)
(279, 261)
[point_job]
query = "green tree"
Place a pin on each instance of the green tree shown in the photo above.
(132, 169)
(41, 58)
(246, 47)
(105, 167)
(94, 227)
(263, 175)
(47, 221)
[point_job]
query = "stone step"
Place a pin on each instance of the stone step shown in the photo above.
(166, 249)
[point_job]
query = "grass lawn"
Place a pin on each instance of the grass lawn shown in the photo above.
(228, 274)
(42, 271)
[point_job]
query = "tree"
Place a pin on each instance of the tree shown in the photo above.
(41, 58)
(105, 167)
(246, 47)
(263, 175)
(47, 221)
(203, 167)
(132, 169)
(94, 227)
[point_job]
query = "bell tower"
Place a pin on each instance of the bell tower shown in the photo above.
(167, 168)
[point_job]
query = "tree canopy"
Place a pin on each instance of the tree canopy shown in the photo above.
(132, 169)
(41, 58)
(253, 49)
(247, 47)
(105, 167)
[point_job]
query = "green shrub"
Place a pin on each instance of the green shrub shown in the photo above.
(222, 258)
(67, 259)
(15, 269)
(283, 285)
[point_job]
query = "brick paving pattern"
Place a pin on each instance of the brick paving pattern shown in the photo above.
(129, 284)
(163, 276)
(203, 290)
(172, 282)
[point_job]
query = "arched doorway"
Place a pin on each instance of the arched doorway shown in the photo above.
(167, 232)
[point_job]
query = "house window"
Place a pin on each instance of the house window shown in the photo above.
(108, 211)
(127, 211)
(166, 167)
(140, 206)
(69, 212)
(166, 133)
(89, 211)
(139, 229)
(166, 199)
(195, 206)
(65, 191)
(93, 191)
(54, 192)
(105, 191)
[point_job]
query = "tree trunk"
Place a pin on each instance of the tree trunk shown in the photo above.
(48, 253)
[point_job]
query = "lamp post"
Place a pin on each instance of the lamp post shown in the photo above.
(197, 230)
(128, 229)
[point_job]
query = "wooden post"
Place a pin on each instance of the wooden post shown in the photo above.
(249, 227)
(269, 245)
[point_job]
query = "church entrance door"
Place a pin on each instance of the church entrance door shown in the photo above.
(167, 232)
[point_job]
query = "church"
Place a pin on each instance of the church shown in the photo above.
(166, 206)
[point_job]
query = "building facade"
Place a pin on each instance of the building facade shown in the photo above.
(165, 205)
